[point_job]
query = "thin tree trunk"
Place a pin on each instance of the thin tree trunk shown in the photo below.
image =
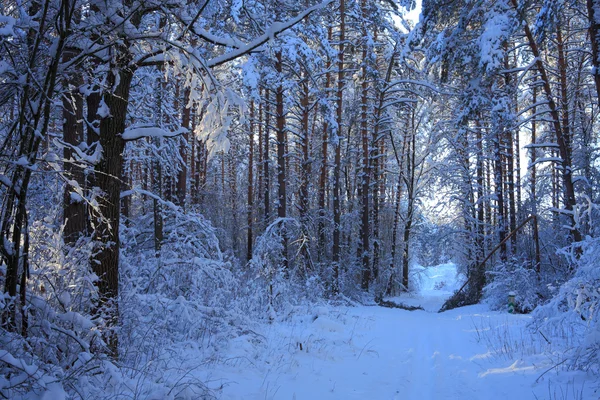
(400, 161)
(479, 279)
(366, 168)
(533, 174)
(157, 206)
(259, 151)
(32, 127)
(499, 185)
(593, 9)
(306, 169)
(324, 156)
(183, 150)
(267, 177)
(410, 193)
(250, 205)
(379, 165)
(337, 211)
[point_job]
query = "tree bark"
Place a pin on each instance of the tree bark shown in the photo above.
(366, 167)
(281, 155)
(499, 185)
(533, 174)
(250, 205)
(337, 211)
(182, 175)
(74, 209)
(593, 9)
(267, 161)
(409, 180)
(324, 166)
(105, 258)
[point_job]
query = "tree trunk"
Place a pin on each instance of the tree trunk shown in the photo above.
(31, 127)
(401, 176)
(267, 177)
(479, 279)
(158, 217)
(324, 169)
(259, 151)
(183, 151)
(281, 155)
(337, 211)
(74, 209)
(250, 205)
(105, 258)
(410, 193)
(306, 170)
(499, 185)
(593, 9)
(533, 175)
(366, 168)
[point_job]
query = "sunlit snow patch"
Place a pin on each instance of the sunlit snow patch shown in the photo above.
(443, 278)
(434, 285)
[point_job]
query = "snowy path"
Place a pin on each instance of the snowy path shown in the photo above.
(382, 353)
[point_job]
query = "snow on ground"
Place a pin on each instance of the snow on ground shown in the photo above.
(371, 352)
(436, 285)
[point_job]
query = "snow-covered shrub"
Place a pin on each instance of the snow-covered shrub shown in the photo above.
(517, 277)
(576, 305)
(57, 343)
(417, 274)
(177, 309)
(274, 287)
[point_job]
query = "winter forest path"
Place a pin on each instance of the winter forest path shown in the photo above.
(383, 353)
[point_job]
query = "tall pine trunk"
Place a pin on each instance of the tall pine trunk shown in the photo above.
(250, 205)
(281, 155)
(337, 211)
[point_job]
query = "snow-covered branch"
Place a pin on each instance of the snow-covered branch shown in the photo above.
(275, 29)
(139, 132)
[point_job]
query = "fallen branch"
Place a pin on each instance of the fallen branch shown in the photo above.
(391, 304)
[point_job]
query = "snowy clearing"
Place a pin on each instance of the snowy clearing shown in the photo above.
(371, 352)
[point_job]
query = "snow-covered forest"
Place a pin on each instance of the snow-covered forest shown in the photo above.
(271, 199)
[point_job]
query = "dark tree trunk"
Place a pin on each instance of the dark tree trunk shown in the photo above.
(31, 127)
(401, 176)
(410, 194)
(478, 281)
(306, 169)
(183, 152)
(105, 258)
(533, 174)
(324, 166)
(157, 180)
(267, 177)
(259, 152)
(593, 9)
(337, 211)
(74, 209)
(250, 205)
(499, 184)
(365, 173)
(281, 155)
